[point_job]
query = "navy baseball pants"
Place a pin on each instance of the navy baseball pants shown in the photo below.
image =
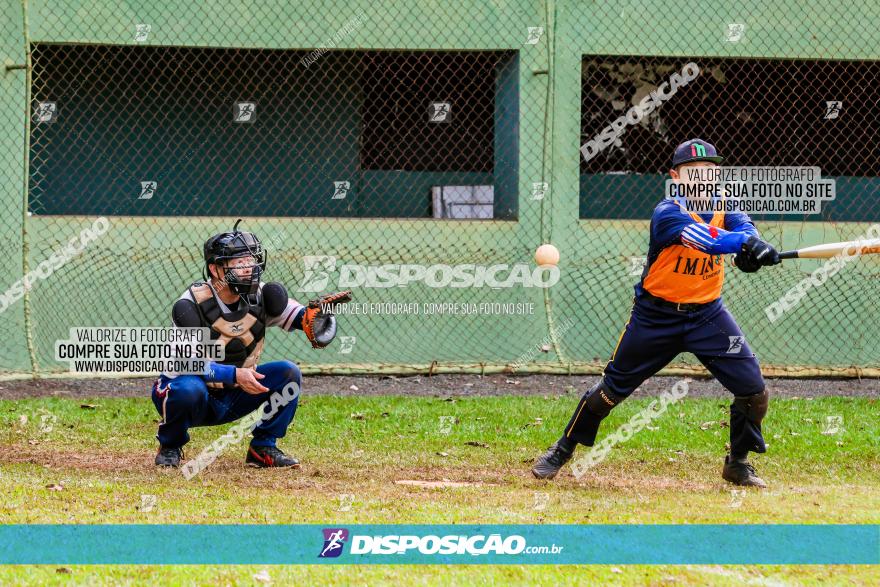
(186, 402)
(653, 337)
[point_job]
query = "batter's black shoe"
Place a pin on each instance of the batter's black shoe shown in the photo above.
(269, 456)
(168, 457)
(741, 473)
(548, 464)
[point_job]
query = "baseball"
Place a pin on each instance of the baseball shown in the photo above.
(547, 254)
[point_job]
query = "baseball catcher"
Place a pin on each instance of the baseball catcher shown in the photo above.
(237, 307)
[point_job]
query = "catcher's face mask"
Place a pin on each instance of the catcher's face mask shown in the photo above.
(242, 274)
(240, 257)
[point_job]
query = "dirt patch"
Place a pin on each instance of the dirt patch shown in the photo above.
(51, 457)
(230, 471)
(449, 385)
(435, 484)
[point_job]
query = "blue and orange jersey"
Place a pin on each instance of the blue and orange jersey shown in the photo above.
(685, 252)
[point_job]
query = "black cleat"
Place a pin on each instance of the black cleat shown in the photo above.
(168, 457)
(269, 456)
(741, 473)
(548, 464)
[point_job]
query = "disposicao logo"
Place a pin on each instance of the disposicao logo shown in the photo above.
(334, 540)
(471, 545)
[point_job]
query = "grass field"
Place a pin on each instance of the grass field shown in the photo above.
(65, 463)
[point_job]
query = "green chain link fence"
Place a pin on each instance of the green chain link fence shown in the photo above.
(360, 135)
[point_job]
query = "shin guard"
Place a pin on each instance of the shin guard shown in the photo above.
(746, 414)
(594, 406)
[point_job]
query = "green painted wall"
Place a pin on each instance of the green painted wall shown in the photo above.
(131, 276)
(13, 84)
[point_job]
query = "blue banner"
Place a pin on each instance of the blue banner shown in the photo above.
(439, 544)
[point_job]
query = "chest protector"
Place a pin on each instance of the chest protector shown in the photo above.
(684, 275)
(242, 332)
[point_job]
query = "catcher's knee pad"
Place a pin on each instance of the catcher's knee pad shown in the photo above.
(753, 406)
(594, 406)
(292, 372)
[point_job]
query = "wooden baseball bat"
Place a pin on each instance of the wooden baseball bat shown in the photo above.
(828, 250)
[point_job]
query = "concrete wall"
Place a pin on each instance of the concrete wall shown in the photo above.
(133, 273)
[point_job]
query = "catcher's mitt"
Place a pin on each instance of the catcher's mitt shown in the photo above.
(318, 322)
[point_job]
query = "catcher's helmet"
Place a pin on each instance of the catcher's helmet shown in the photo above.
(230, 245)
